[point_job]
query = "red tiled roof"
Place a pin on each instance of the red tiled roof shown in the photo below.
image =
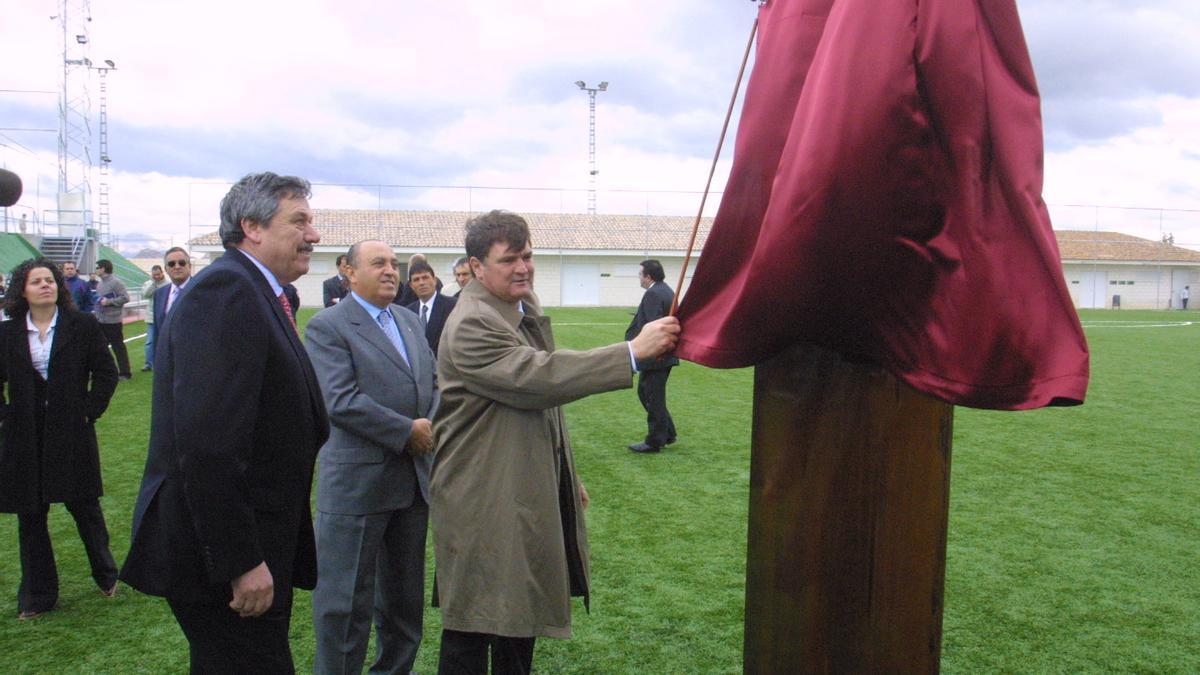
(607, 232)
(444, 229)
(1117, 247)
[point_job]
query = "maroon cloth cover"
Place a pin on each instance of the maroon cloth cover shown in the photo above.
(885, 201)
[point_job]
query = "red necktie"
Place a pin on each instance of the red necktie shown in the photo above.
(287, 308)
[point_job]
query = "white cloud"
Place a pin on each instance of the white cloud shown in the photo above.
(1153, 168)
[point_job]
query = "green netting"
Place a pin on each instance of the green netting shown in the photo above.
(14, 250)
(131, 275)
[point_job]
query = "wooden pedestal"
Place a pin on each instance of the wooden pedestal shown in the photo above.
(849, 494)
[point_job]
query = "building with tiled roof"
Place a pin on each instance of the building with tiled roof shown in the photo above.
(1107, 269)
(587, 259)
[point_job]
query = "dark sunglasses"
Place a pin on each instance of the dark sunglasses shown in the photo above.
(177, 263)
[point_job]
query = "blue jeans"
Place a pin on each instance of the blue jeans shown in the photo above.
(150, 344)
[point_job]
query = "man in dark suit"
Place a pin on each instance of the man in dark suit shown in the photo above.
(80, 292)
(179, 270)
(431, 307)
(653, 373)
(379, 379)
(222, 527)
(337, 286)
(407, 295)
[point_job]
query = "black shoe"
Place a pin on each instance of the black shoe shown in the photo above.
(643, 448)
(124, 377)
(147, 368)
(670, 440)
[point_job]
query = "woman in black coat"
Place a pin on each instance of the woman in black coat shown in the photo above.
(60, 377)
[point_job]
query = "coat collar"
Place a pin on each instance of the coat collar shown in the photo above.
(368, 328)
(511, 315)
(64, 330)
(236, 257)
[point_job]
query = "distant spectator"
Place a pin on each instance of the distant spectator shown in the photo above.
(1183, 297)
(337, 286)
(407, 296)
(156, 281)
(111, 296)
(56, 377)
(81, 293)
(431, 307)
(462, 273)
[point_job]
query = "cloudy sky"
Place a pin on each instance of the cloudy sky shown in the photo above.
(471, 104)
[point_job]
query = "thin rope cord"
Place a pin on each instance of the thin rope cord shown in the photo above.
(716, 156)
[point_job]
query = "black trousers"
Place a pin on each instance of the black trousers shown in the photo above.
(115, 334)
(467, 654)
(222, 642)
(39, 574)
(652, 392)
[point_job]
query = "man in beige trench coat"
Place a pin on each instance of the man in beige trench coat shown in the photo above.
(506, 505)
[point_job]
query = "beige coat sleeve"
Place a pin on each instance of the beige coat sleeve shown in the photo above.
(496, 364)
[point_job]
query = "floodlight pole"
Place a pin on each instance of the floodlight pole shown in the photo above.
(591, 91)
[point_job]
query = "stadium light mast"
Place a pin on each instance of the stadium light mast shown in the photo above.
(75, 124)
(102, 213)
(591, 92)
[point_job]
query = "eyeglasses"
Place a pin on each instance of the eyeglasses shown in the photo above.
(177, 263)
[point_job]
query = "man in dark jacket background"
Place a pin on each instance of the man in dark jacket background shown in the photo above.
(653, 373)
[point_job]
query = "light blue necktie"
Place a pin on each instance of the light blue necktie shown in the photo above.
(388, 324)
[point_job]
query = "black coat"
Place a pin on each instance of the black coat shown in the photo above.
(656, 303)
(442, 307)
(334, 288)
(235, 425)
(82, 379)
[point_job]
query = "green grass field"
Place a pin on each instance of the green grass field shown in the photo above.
(1074, 541)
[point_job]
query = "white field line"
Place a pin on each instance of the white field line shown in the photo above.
(1136, 324)
(135, 337)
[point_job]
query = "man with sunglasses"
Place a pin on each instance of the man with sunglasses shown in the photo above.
(179, 270)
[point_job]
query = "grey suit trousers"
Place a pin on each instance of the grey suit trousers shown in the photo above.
(381, 551)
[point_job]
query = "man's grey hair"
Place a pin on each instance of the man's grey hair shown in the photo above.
(256, 198)
(461, 261)
(177, 249)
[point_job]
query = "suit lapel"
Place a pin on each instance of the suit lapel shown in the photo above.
(64, 331)
(18, 336)
(413, 342)
(285, 325)
(370, 331)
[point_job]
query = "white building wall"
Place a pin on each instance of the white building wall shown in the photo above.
(1140, 286)
(618, 275)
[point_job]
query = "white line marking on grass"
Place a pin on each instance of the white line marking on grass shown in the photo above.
(1136, 324)
(135, 337)
(602, 323)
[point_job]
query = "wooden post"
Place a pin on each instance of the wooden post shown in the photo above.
(849, 495)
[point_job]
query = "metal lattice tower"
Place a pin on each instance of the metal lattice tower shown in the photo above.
(74, 129)
(102, 213)
(591, 92)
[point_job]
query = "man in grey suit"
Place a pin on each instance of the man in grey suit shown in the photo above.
(379, 379)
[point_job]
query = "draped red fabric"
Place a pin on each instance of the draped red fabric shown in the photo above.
(885, 201)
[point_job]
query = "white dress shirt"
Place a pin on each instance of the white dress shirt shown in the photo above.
(39, 347)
